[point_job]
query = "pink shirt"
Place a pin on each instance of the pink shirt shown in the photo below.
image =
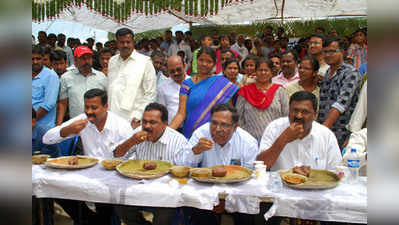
(280, 79)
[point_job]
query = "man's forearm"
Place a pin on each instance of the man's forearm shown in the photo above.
(40, 113)
(269, 156)
(124, 147)
(61, 110)
(332, 117)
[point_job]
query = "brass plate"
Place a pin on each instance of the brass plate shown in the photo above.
(62, 162)
(318, 179)
(234, 174)
(134, 169)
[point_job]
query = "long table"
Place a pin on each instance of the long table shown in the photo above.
(345, 203)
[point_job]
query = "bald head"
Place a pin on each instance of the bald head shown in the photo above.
(176, 69)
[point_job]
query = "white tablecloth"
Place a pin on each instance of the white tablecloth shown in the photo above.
(345, 203)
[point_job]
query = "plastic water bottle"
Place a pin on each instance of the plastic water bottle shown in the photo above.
(353, 161)
(275, 184)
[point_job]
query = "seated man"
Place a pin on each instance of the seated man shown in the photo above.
(153, 140)
(220, 142)
(298, 139)
(100, 131)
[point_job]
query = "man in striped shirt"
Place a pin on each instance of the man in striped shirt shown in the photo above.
(154, 140)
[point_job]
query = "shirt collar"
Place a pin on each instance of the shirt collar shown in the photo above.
(132, 56)
(76, 71)
(38, 76)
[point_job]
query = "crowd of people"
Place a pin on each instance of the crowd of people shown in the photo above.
(224, 99)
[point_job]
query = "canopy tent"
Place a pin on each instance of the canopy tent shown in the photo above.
(143, 15)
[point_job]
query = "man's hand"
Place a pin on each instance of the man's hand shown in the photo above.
(135, 123)
(136, 139)
(293, 132)
(74, 128)
(204, 144)
(219, 208)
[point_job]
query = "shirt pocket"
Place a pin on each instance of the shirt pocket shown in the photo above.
(37, 91)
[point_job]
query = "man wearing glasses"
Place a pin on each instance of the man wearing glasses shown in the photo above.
(339, 90)
(316, 50)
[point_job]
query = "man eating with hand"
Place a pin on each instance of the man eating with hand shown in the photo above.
(298, 139)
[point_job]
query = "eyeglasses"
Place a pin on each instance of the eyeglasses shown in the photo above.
(302, 111)
(314, 42)
(179, 70)
(331, 51)
(224, 126)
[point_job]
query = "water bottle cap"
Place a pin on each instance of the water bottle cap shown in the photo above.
(353, 150)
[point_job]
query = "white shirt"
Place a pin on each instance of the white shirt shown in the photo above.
(95, 143)
(166, 148)
(168, 95)
(243, 51)
(319, 149)
(359, 115)
(160, 78)
(182, 46)
(241, 146)
(131, 85)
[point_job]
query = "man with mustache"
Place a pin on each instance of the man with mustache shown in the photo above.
(132, 80)
(168, 91)
(220, 142)
(154, 140)
(76, 82)
(298, 139)
(100, 131)
(289, 71)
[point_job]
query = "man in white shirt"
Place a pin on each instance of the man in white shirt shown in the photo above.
(180, 45)
(132, 80)
(298, 139)
(154, 140)
(158, 61)
(168, 91)
(221, 141)
(316, 43)
(240, 47)
(99, 129)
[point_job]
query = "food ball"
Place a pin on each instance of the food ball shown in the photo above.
(219, 172)
(149, 165)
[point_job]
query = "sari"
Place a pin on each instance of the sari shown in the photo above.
(202, 97)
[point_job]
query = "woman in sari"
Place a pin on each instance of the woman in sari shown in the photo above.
(261, 102)
(200, 92)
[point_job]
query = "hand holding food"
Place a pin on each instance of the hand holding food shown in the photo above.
(219, 171)
(140, 137)
(204, 144)
(293, 132)
(78, 125)
(149, 165)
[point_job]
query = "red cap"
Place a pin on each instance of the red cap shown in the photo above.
(81, 50)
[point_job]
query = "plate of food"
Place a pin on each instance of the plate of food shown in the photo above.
(221, 174)
(304, 177)
(72, 162)
(40, 158)
(110, 164)
(144, 169)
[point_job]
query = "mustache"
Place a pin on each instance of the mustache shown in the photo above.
(299, 120)
(91, 115)
(147, 130)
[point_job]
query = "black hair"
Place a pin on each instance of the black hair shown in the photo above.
(321, 28)
(47, 50)
(263, 60)
(104, 50)
(90, 39)
(249, 57)
(181, 53)
(96, 92)
(226, 107)
(363, 30)
(37, 49)
(304, 96)
(159, 107)
(225, 36)
(227, 50)
(61, 35)
(52, 35)
(58, 55)
(335, 39)
(275, 56)
(157, 53)
(323, 38)
(168, 31)
(33, 113)
(292, 52)
(178, 32)
(204, 36)
(124, 31)
(189, 32)
(313, 60)
(209, 51)
(99, 43)
(229, 61)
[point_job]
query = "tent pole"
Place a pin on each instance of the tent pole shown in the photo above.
(282, 11)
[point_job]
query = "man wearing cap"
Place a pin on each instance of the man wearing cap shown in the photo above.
(132, 80)
(76, 82)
